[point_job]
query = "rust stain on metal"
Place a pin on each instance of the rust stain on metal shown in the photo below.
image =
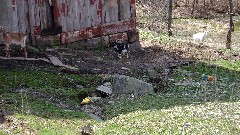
(63, 8)
(37, 30)
(99, 12)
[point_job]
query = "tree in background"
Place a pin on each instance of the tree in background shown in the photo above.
(231, 24)
(170, 5)
(158, 14)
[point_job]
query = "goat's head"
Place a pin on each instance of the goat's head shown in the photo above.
(206, 32)
(113, 44)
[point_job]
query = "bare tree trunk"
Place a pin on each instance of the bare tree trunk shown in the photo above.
(229, 39)
(231, 15)
(170, 18)
(231, 24)
(193, 7)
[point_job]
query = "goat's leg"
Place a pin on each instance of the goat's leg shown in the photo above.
(24, 48)
(25, 52)
(7, 50)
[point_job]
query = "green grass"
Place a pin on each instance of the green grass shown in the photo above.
(45, 126)
(162, 38)
(183, 109)
(188, 119)
(27, 94)
(49, 83)
(2, 132)
(237, 26)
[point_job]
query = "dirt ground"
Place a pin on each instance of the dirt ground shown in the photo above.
(149, 57)
(102, 61)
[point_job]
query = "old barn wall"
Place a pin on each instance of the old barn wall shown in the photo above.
(14, 14)
(78, 19)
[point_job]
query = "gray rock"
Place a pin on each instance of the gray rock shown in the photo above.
(106, 88)
(128, 85)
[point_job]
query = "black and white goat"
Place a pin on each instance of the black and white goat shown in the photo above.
(120, 48)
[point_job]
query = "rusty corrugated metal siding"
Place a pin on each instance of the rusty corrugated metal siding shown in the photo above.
(78, 19)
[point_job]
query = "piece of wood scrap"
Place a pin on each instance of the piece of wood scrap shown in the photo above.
(56, 62)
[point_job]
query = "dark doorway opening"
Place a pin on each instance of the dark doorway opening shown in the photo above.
(52, 27)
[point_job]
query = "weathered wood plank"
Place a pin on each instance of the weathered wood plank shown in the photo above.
(13, 15)
(63, 14)
(105, 13)
(43, 14)
(3, 18)
(94, 7)
(113, 10)
(35, 12)
(133, 8)
(86, 12)
(9, 17)
(22, 20)
(124, 9)
(26, 17)
(76, 15)
(83, 14)
(69, 16)
(80, 19)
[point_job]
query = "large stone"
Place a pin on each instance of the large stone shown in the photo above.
(106, 88)
(128, 85)
(98, 42)
(133, 36)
